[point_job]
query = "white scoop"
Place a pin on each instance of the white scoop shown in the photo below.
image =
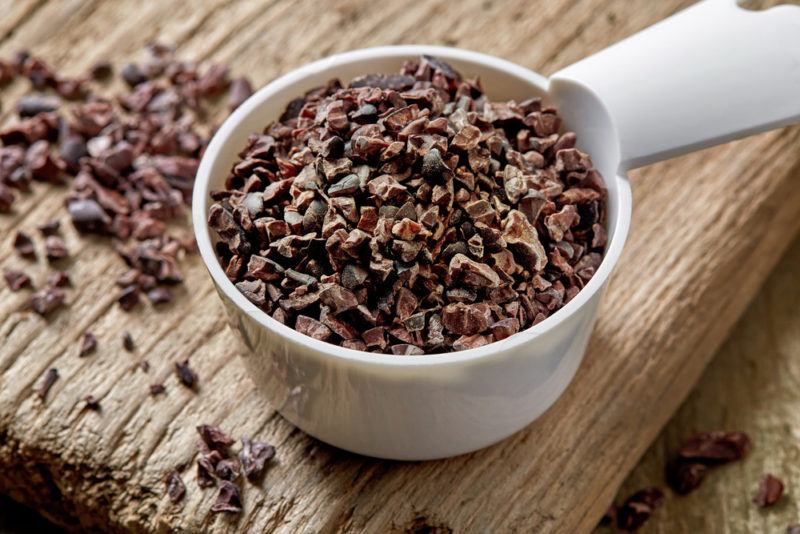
(706, 75)
(709, 74)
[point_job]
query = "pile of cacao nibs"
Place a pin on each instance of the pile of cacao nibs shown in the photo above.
(130, 160)
(409, 214)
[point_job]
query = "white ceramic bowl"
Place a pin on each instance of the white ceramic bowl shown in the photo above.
(408, 407)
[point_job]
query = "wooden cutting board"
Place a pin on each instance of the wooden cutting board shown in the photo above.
(707, 229)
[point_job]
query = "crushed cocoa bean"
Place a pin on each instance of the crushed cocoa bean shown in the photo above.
(88, 344)
(91, 403)
(49, 379)
(638, 508)
(186, 375)
(409, 214)
(229, 498)
(15, 279)
(127, 341)
(686, 471)
(254, 457)
(47, 300)
(769, 492)
(176, 489)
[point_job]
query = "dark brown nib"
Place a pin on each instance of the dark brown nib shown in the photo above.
(409, 214)
(254, 457)
(638, 508)
(185, 374)
(716, 447)
(214, 439)
(47, 300)
(23, 244)
(229, 498)
(91, 403)
(687, 470)
(49, 379)
(769, 491)
(176, 489)
(127, 341)
(88, 344)
(16, 280)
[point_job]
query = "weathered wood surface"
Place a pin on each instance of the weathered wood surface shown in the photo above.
(707, 230)
(752, 384)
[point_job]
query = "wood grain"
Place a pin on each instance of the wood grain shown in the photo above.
(707, 230)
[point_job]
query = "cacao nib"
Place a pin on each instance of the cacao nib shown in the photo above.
(254, 456)
(229, 498)
(638, 508)
(23, 244)
(185, 374)
(47, 300)
(88, 344)
(16, 280)
(91, 403)
(176, 489)
(715, 447)
(215, 439)
(769, 492)
(49, 379)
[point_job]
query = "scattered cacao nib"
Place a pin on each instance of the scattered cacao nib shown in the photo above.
(47, 300)
(101, 70)
(91, 403)
(87, 216)
(33, 104)
(49, 228)
(16, 280)
(205, 476)
(610, 517)
(55, 248)
(133, 75)
(254, 456)
(185, 374)
(49, 379)
(6, 198)
(769, 492)
(175, 487)
(715, 447)
(128, 298)
(127, 341)
(240, 91)
(685, 477)
(23, 244)
(157, 389)
(215, 439)
(159, 295)
(408, 214)
(229, 498)
(58, 279)
(88, 344)
(638, 508)
(687, 470)
(227, 469)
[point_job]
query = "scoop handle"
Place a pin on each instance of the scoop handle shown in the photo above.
(709, 74)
